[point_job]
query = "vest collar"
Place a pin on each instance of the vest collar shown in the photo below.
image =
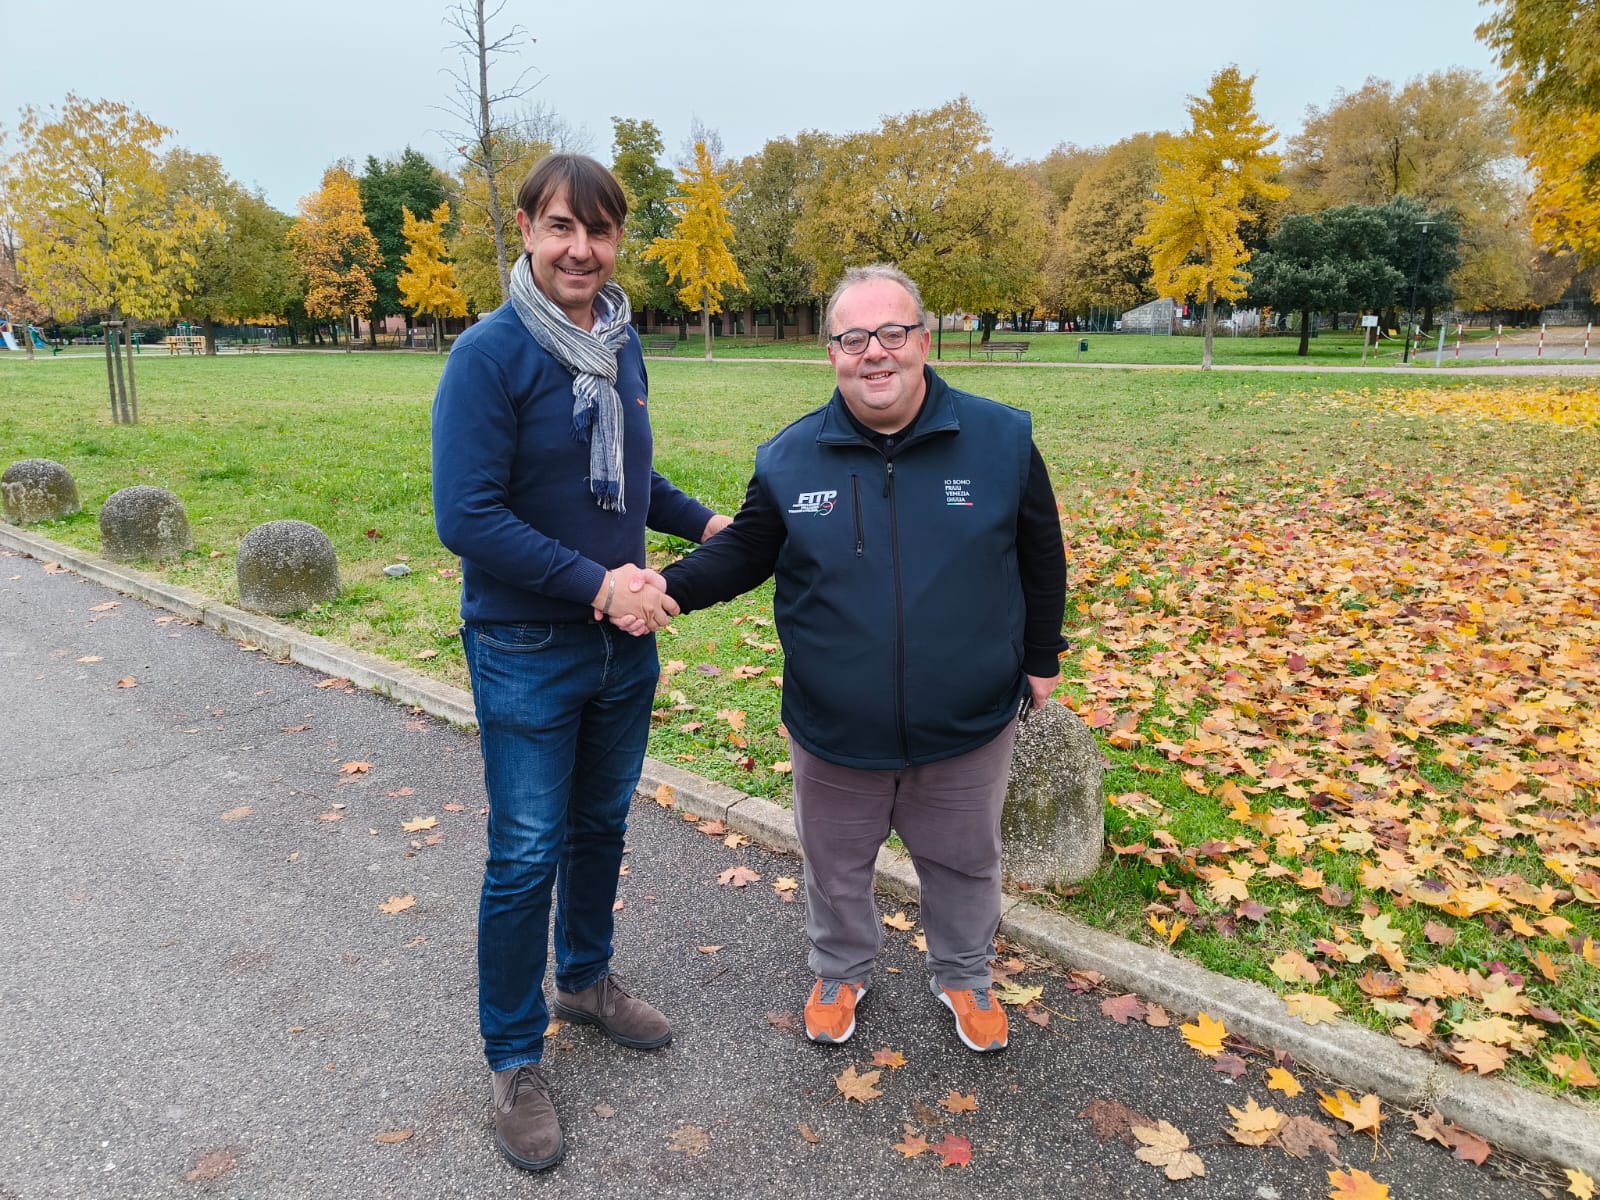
(938, 415)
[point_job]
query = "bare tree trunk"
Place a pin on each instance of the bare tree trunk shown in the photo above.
(1305, 332)
(705, 320)
(490, 161)
(133, 390)
(210, 326)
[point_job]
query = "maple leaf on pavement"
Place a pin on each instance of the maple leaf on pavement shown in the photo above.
(912, 1144)
(1017, 996)
(418, 824)
(355, 768)
(785, 883)
(1301, 1135)
(237, 814)
(1469, 1147)
(1579, 1183)
(1230, 1065)
(859, 1088)
(955, 1102)
(1205, 1035)
(1123, 1009)
(1365, 1113)
(393, 1137)
(1356, 1185)
(886, 1057)
(899, 921)
(1113, 1119)
(738, 876)
(665, 796)
(1431, 1127)
(397, 904)
(1255, 1125)
(955, 1151)
(1167, 1147)
(1311, 1008)
(808, 1134)
(1279, 1080)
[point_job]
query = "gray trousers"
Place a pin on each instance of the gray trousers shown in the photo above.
(947, 814)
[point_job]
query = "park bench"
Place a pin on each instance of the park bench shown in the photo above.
(194, 343)
(661, 345)
(1015, 349)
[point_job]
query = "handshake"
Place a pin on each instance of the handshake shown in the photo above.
(635, 600)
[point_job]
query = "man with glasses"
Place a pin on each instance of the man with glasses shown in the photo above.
(919, 583)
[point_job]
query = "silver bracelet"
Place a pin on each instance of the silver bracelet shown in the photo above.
(611, 590)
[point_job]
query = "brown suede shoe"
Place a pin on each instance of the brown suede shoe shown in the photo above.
(629, 1022)
(525, 1124)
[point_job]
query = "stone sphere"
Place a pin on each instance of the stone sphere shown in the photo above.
(1053, 826)
(285, 566)
(143, 522)
(36, 489)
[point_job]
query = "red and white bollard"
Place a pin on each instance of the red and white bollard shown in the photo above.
(1497, 331)
(1587, 330)
(1539, 353)
(1458, 339)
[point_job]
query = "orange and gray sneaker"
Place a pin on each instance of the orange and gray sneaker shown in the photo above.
(980, 1021)
(831, 1010)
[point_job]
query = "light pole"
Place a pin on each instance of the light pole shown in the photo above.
(1416, 277)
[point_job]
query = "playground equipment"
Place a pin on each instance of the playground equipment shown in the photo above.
(8, 335)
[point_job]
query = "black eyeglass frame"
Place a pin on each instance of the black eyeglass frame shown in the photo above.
(869, 334)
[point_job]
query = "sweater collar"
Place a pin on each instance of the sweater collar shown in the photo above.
(937, 415)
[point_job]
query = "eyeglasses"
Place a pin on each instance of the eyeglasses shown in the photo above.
(890, 337)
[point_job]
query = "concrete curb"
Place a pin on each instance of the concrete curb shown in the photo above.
(1523, 1122)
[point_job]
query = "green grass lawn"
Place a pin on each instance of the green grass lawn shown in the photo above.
(1328, 349)
(1170, 484)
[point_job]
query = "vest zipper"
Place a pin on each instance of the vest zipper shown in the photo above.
(855, 508)
(899, 615)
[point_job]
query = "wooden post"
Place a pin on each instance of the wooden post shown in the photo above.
(133, 390)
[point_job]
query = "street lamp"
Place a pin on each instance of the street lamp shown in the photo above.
(1416, 277)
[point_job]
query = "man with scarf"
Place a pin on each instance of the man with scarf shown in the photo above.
(542, 483)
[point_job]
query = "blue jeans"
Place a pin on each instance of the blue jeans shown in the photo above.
(563, 717)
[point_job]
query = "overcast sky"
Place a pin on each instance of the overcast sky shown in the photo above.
(279, 91)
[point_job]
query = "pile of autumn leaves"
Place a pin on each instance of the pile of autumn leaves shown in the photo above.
(1389, 698)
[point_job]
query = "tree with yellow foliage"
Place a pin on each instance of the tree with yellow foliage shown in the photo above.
(97, 230)
(697, 255)
(925, 191)
(1550, 50)
(428, 284)
(1209, 175)
(335, 249)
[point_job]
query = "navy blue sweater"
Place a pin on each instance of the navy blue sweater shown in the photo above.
(511, 484)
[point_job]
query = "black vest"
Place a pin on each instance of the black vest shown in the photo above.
(898, 599)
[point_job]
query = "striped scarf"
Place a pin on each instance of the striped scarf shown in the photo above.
(591, 356)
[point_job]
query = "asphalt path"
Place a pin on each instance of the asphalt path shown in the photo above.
(199, 994)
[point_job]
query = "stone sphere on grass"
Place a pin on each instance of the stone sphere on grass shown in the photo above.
(286, 566)
(1053, 827)
(37, 489)
(143, 522)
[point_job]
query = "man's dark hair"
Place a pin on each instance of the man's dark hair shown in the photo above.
(593, 192)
